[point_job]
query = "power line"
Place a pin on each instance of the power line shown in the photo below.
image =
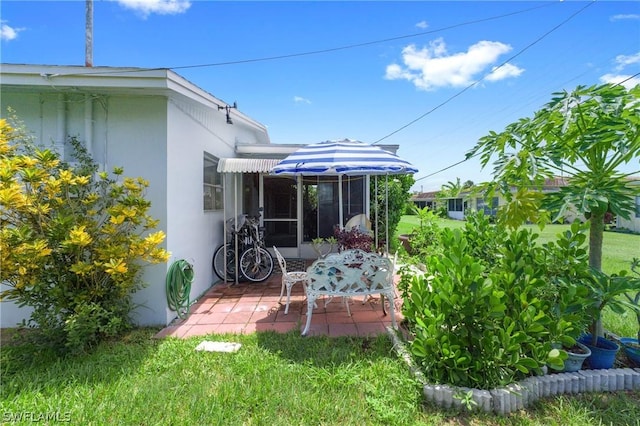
(475, 83)
(368, 43)
(473, 156)
(328, 50)
(527, 47)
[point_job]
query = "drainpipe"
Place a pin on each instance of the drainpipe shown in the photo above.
(88, 123)
(61, 125)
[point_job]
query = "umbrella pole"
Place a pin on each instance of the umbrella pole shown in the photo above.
(386, 206)
(235, 211)
(224, 223)
(340, 213)
(375, 206)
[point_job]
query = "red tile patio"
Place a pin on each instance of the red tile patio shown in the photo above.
(249, 307)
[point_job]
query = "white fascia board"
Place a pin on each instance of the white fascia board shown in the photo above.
(280, 150)
(55, 77)
(139, 81)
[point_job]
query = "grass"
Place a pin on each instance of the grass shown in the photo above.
(618, 251)
(274, 379)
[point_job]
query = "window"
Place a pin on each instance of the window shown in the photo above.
(489, 210)
(637, 206)
(455, 204)
(212, 189)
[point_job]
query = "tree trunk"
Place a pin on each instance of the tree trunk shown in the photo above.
(596, 233)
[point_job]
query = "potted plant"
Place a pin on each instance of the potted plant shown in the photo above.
(606, 290)
(568, 322)
(565, 261)
(323, 246)
(353, 238)
(424, 239)
(631, 345)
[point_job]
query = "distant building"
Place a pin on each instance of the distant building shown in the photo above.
(633, 223)
(468, 200)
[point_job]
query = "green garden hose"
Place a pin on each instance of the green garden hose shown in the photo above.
(179, 279)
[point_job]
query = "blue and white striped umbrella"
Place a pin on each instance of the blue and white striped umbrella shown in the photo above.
(346, 157)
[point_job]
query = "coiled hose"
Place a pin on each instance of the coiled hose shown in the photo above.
(179, 279)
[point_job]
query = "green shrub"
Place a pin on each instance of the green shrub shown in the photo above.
(492, 308)
(72, 241)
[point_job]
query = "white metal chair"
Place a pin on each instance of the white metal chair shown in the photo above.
(289, 278)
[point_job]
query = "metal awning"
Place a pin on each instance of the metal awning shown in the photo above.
(246, 165)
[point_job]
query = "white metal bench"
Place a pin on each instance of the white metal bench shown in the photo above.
(350, 273)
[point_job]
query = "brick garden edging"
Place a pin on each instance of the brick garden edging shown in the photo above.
(524, 393)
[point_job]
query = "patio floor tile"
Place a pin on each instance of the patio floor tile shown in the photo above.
(253, 307)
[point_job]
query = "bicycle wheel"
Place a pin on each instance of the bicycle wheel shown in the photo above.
(218, 262)
(256, 264)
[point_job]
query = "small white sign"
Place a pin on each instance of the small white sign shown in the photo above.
(218, 346)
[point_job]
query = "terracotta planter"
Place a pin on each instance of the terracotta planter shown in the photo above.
(405, 240)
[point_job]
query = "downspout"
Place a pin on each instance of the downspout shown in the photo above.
(61, 137)
(88, 124)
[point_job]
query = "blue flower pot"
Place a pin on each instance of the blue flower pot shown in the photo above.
(632, 353)
(603, 355)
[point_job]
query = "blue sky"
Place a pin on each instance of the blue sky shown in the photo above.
(387, 72)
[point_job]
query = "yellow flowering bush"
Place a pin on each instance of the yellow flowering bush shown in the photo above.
(73, 241)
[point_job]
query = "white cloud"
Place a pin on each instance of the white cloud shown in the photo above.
(432, 66)
(505, 71)
(301, 100)
(624, 17)
(618, 79)
(422, 24)
(623, 60)
(7, 32)
(161, 7)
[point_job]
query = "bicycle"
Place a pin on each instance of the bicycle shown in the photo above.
(255, 262)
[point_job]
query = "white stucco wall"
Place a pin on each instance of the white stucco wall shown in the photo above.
(632, 224)
(154, 124)
(193, 234)
(136, 133)
(125, 131)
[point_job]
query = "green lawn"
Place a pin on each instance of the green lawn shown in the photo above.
(617, 251)
(274, 379)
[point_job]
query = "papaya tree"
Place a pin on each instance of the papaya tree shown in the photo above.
(587, 136)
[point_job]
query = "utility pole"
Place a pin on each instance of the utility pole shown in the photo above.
(88, 52)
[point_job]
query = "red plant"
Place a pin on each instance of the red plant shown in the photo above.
(353, 238)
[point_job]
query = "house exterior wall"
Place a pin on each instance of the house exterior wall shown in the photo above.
(193, 233)
(136, 130)
(633, 223)
(154, 124)
(126, 131)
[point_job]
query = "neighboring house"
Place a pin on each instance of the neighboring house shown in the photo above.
(633, 223)
(205, 160)
(425, 199)
(470, 201)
